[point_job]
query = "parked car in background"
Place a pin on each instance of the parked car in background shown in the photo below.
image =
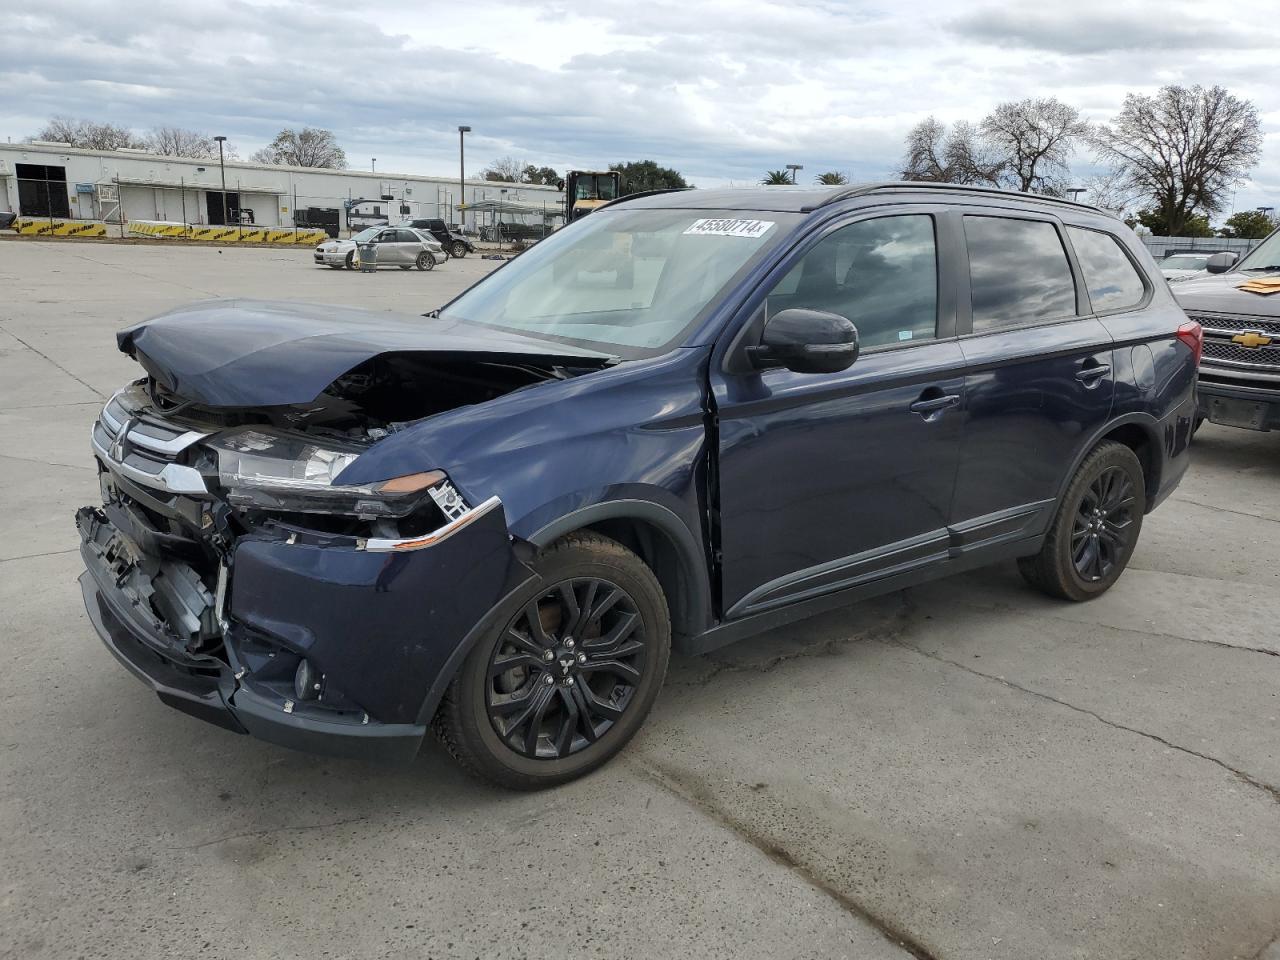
(402, 247)
(688, 418)
(7, 217)
(455, 244)
(1238, 305)
(1181, 266)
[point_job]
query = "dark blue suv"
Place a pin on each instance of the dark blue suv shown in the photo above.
(687, 418)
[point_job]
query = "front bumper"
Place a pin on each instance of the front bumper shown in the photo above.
(335, 259)
(1239, 405)
(384, 629)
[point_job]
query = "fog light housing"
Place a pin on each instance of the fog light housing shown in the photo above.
(307, 684)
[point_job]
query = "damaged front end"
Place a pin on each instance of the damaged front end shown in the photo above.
(231, 570)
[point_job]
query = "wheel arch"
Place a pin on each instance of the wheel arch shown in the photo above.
(663, 541)
(1140, 434)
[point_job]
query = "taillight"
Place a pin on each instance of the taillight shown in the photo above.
(1192, 335)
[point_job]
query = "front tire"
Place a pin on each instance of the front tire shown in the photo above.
(425, 261)
(459, 250)
(350, 262)
(569, 675)
(1095, 530)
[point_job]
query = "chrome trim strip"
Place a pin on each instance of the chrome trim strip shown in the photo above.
(1244, 372)
(1206, 361)
(169, 447)
(383, 545)
(173, 478)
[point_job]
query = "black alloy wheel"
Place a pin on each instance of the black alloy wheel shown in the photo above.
(1104, 520)
(1095, 529)
(566, 672)
(567, 668)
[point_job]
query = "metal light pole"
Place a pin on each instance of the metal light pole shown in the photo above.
(223, 169)
(795, 168)
(462, 175)
(373, 165)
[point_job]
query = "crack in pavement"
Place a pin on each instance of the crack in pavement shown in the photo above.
(33, 556)
(46, 463)
(1215, 507)
(700, 800)
(268, 832)
(1272, 791)
(55, 363)
(1156, 634)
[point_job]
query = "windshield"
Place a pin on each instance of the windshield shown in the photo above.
(626, 282)
(367, 234)
(1265, 256)
(1184, 262)
(600, 186)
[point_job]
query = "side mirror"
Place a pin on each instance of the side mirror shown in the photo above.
(806, 341)
(1221, 262)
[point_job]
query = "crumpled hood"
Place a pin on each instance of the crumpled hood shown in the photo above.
(250, 353)
(1220, 293)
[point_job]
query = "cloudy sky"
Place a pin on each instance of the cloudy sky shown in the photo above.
(720, 90)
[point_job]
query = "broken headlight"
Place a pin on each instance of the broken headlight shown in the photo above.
(279, 472)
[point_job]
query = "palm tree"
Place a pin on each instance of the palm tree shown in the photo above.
(777, 178)
(832, 178)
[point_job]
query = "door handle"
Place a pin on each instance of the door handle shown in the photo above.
(1095, 372)
(934, 405)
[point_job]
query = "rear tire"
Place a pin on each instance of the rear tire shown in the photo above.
(425, 261)
(571, 695)
(1095, 530)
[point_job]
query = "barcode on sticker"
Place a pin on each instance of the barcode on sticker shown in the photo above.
(729, 228)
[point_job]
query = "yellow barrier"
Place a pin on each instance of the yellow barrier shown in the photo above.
(30, 227)
(285, 236)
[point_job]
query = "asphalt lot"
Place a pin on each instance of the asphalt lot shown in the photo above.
(969, 768)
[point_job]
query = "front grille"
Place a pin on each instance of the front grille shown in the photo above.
(1231, 323)
(1233, 353)
(146, 450)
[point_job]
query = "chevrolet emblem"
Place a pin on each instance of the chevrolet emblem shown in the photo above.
(1251, 340)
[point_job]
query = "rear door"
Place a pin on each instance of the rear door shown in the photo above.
(1039, 376)
(830, 480)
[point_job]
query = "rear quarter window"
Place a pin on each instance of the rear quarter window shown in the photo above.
(1018, 273)
(1110, 276)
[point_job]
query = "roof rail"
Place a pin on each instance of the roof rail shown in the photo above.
(862, 190)
(642, 193)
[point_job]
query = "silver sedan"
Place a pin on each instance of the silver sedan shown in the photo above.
(402, 247)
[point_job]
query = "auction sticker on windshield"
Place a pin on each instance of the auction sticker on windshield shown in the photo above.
(730, 228)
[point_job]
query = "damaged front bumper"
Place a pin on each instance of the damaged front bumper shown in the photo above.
(381, 625)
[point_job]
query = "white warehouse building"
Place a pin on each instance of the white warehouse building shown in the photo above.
(41, 179)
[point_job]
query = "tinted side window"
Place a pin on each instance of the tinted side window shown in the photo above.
(407, 236)
(1112, 279)
(881, 274)
(1018, 273)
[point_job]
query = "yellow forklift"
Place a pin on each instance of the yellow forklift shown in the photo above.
(586, 190)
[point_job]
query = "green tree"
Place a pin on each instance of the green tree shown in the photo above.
(831, 178)
(1249, 225)
(777, 178)
(540, 175)
(1155, 220)
(641, 175)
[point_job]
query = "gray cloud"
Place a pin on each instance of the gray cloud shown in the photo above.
(720, 89)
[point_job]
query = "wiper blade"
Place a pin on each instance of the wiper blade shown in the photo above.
(1267, 269)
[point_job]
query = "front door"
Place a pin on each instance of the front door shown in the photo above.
(1038, 382)
(829, 480)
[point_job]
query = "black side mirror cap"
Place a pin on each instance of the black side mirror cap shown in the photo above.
(1221, 262)
(806, 341)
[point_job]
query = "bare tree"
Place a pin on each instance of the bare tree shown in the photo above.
(88, 133)
(1110, 190)
(505, 170)
(937, 155)
(1034, 139)
(1183, 148)
(178, 142)
(308, 147)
